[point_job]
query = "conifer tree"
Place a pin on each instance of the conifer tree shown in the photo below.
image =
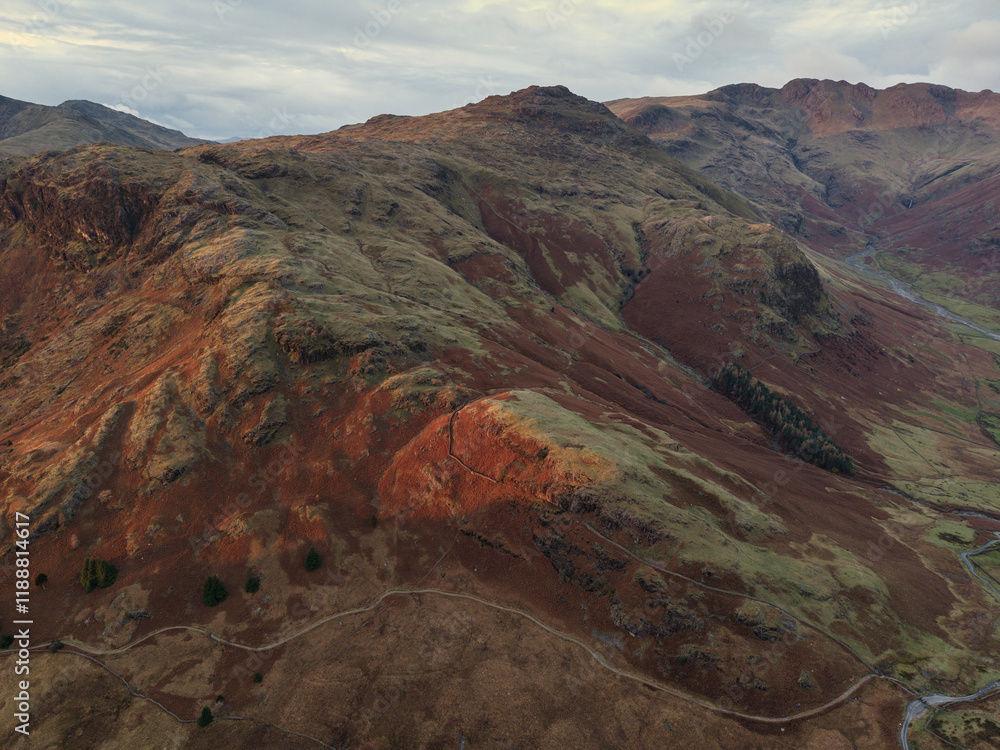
(313, 560)
(214, 592)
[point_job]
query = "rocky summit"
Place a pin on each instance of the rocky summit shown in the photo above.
(535, 423)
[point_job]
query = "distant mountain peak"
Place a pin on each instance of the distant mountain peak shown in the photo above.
(541, 97)
(27, 129)
(826, 107)
(553, 109)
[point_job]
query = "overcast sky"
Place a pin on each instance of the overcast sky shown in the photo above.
(223, 68)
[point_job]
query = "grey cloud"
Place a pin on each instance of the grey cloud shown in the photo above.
(232, 63)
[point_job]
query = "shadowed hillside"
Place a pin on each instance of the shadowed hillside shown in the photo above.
(27, 129)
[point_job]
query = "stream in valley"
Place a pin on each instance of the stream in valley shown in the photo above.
(921, 705)
(856, 262)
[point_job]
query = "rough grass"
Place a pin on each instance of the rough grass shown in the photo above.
(968, 493)
(965, 727)
(908, 450)
(671, 499)
(964, 413)
(953, 535)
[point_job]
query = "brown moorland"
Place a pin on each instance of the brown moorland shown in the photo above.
(466, 357)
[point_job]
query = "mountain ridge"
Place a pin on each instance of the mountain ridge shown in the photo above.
(27, 129)
(834, 107)
(845, 167)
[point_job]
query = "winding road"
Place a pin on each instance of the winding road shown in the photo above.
(924, 703)
(921, 705)
(966, 558)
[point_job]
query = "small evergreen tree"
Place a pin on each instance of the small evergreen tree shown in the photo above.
(252, 584)
(313, 560)
(41, 579)
(206, 717)
(214, 591)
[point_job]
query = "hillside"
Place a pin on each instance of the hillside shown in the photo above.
(468, 358)
(909, 172)
(27, 129)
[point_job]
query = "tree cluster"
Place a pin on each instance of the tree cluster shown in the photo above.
(792, 428)
(214, 591)
(97, 573)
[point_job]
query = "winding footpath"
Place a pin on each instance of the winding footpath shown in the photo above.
(77, 648)
(914, 710)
